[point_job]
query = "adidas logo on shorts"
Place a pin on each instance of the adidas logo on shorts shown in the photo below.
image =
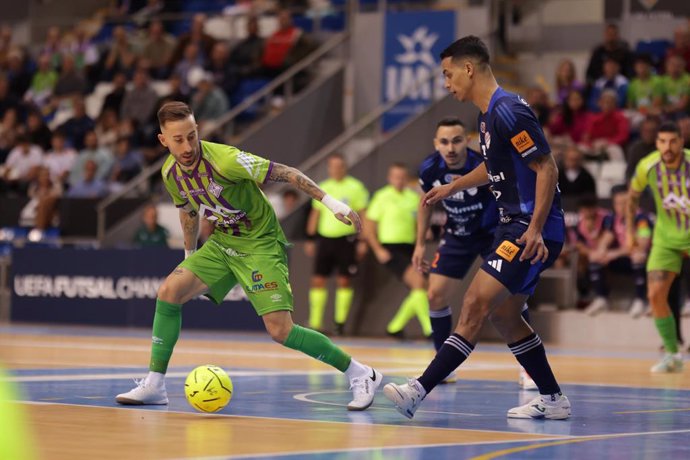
(496, 264)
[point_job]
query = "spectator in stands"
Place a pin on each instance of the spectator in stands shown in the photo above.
(51, 46)
(681, 45)
(127, 164)
(120, 56)
(643, 146)
(106, 129)
(9, 130)
(7, 99)
(37, 131)
(684, 126)
(158, 47)
(674, 88)
(18, 72)
(566, 81)
(538, 100)
(5, 44)
(612, 47)
(151, 234)
(220, 69)
(572, 119)
(573, 178)
(42, 83)
(113, 101)
(102, 158)
(277, 49)
(192, 59)
(41, 210)
(78, 125)
(608, 131)
(175, 94)
(584, 237)
(613, 80)
(643, 87)
(612, 252)
(195, 36)
(21, 165)
(89, 185)
(245, 59)
(71, 81)
(78, 43)
(208, 102)
(60, 158)
(140, 100)
(146, 12)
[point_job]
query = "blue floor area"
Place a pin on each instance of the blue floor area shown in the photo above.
(627, 423)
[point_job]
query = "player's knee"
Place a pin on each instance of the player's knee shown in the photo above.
(278, 330)
(437, 299)
(656, 295)
(168, 292)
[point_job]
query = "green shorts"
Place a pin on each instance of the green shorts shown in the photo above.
(264, 277)
(665, 259)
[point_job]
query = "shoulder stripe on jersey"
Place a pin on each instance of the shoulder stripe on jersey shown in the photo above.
(505, 115)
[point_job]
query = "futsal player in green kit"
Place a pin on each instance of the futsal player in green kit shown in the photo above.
(391, 231)
(667, 174)
(333, 245)
(220, 184)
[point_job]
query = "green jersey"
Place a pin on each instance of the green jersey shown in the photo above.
(641, 92)
(673, 89)
(396, 215)
(351, 192)
(670, 188)
(223, 189)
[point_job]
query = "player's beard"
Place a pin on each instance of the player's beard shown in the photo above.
(188, 159)
(669, 157)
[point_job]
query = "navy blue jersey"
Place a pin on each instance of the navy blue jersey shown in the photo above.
(468, 211)
(510, 138)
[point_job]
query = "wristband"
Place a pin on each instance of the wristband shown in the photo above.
(189, 252)
(336, 207)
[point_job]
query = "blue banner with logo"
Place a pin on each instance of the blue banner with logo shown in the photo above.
(115, 287)
(412, 44)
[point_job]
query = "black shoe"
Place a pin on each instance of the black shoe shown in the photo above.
(400, 335)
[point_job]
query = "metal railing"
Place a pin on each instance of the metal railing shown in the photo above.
(212, 128)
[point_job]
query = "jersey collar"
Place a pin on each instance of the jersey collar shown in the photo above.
(494, 97)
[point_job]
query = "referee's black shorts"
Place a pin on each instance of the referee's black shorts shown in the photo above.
(401, 258)
(336, 253)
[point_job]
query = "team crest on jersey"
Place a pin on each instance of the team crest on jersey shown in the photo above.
(482, 127)
(214, 189)
(487, 139)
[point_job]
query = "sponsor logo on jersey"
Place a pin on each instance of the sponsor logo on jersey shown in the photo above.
(523, 143)
(497, 177)
(487, 139)
(256, 276)
(482, 127)
(507, 250)
(276, 298)
(214, 188)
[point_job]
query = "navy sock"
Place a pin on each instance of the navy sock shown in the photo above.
(441, 325)
(525, 314)
(640, 281)
(596, 278)
(531, 354)
(454, 351)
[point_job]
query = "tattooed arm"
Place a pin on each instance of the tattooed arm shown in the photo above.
(342, 212)
(189, 219)
(630, 212)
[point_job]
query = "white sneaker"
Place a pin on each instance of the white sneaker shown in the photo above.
(543, 407)
(406, 397)
(144, 394)
(597, 305)
(670, 363)
(637, 308)
(363, 390)
(525, 381)
(686, 308)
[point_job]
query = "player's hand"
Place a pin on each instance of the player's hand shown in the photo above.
(631, 243)
(383, 255)
(310, 249)
(361, 250)
(437, 194)
(350, 219)
(418, 261)
(535, 249)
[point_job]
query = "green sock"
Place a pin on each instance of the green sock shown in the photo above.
(317, 305)
(404, 314)
(343, 302)
(667, 331)
(166, 329)
(317, 345)
(421, 304)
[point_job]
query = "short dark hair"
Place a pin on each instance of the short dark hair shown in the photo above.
(588, 201)
(618, 188)
(173, 111)
(450, 121)
(469, 46)
(669, 127)
(644, 57)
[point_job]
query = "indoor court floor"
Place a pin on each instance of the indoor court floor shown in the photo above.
(288, 406)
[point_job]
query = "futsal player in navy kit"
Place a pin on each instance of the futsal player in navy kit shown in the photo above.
(523, 176)
(471, 220)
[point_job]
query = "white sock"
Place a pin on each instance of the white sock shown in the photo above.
(356, 369)
(155, 378)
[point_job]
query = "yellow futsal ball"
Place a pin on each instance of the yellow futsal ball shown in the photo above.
(208, 388)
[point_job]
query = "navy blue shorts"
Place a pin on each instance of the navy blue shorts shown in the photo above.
(504, 261)
(455, 256)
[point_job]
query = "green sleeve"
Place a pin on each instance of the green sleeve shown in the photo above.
(658, 87)
(235, 164)
(639, 180)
